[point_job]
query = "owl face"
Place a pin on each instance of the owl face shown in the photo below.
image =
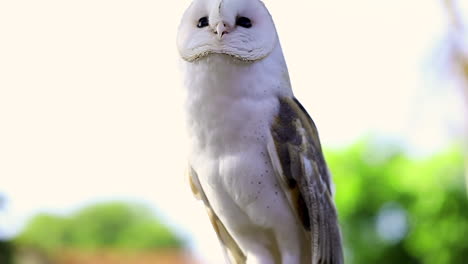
(242, 29)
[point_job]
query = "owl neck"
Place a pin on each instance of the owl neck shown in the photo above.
(223, 76)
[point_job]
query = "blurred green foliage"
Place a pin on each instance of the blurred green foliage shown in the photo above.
(397, 209)
(103, 226)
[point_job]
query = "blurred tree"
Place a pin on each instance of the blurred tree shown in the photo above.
(6, 248)
(103, 226)
(397, 210)
(457, 42)
(6, 252)
(46, 232)
(456, 38)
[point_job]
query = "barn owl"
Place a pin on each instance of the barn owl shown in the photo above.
(255, 158)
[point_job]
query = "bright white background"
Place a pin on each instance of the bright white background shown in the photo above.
(91, 101)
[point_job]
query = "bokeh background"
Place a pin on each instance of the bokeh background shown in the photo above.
(92, 143)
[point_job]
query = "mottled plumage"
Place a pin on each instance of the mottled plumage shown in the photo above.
(255, 160)
(297, 157)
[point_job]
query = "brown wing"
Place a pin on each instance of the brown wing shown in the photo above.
(231, 249)
(297, 157)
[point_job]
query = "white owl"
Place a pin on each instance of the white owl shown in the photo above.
(255, 159)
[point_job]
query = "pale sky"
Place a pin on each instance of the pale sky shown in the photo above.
(91, 98)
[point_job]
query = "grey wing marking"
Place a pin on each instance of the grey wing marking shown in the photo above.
(297, 158)
(232, 251)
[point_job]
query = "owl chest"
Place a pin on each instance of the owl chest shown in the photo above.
(223, 126)
(228, 139)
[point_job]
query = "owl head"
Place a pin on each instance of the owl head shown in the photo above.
(242, 29)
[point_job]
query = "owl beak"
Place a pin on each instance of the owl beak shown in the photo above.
(221, 30)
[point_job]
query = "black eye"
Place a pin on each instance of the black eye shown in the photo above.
(244, 22)
(202, 22)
